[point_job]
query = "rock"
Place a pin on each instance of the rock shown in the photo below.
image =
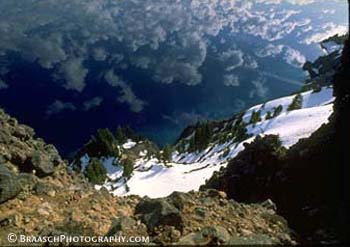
(270, 205)
(178, 199)
(27, 181)
(253, 240)
(19, 147)
(7, 221)
(175, 234)
(246, 232)
(155, 212)
(104, 192)
(45, 209)
(41, 163)
(201, 212)
(216, 193)
(121, 224)
(9, 185)
(211, 235)
(41, 188)
(51, 193)
(23, 132)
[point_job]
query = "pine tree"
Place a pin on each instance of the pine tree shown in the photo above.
(297, 103)
(278, 110)
(241, 132)
(128, 167)
(192, 144)
(167, 152)
(255, 118)
(268, 115)
(103, 144)
(95, 171)
(107, 142)
(120, 135)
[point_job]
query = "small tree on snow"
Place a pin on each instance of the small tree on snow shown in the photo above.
(296, 104)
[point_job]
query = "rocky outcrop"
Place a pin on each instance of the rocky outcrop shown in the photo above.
(19, 148)
(9, 185)
(159, 212)
(252, 176)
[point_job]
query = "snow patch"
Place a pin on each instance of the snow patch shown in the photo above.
(129, 144)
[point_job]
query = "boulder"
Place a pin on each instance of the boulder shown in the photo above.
(40, 162)
(9, 184)
(122, 224)
(155, 212)
(211, 235)
(27, 181)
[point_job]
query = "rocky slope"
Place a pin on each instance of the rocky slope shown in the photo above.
(41, 196)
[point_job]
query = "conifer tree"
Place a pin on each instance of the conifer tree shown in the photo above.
(278, 110)
(120, 135)
(128, 168)
(297, 103)
(167, 152)
(96, 172)
(255, 117)
(268, 115)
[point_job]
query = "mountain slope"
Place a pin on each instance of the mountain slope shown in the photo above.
(187, 171)
(40, 196)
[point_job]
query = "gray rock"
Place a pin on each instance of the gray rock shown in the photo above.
(41, 188)
(211, 235)
(23, 132)
(155, 212)
(121, 224)
(27, 181)
(41, 163)
(178, 199)
(256, 239)
(201, 212)
(7, 220)
(9, 185)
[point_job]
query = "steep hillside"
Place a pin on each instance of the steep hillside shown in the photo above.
(41, 196)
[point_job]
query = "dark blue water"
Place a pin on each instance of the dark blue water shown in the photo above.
(33, 89)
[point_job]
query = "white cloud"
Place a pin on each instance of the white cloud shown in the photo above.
(231, 80)
(270, 51)
(232, 58)
(260, 90)
(74, 74)
(288, 54)
(92, 103)
(330, 29)
(294, 57)
(59, 106)
(250, 62)
(127, 95)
